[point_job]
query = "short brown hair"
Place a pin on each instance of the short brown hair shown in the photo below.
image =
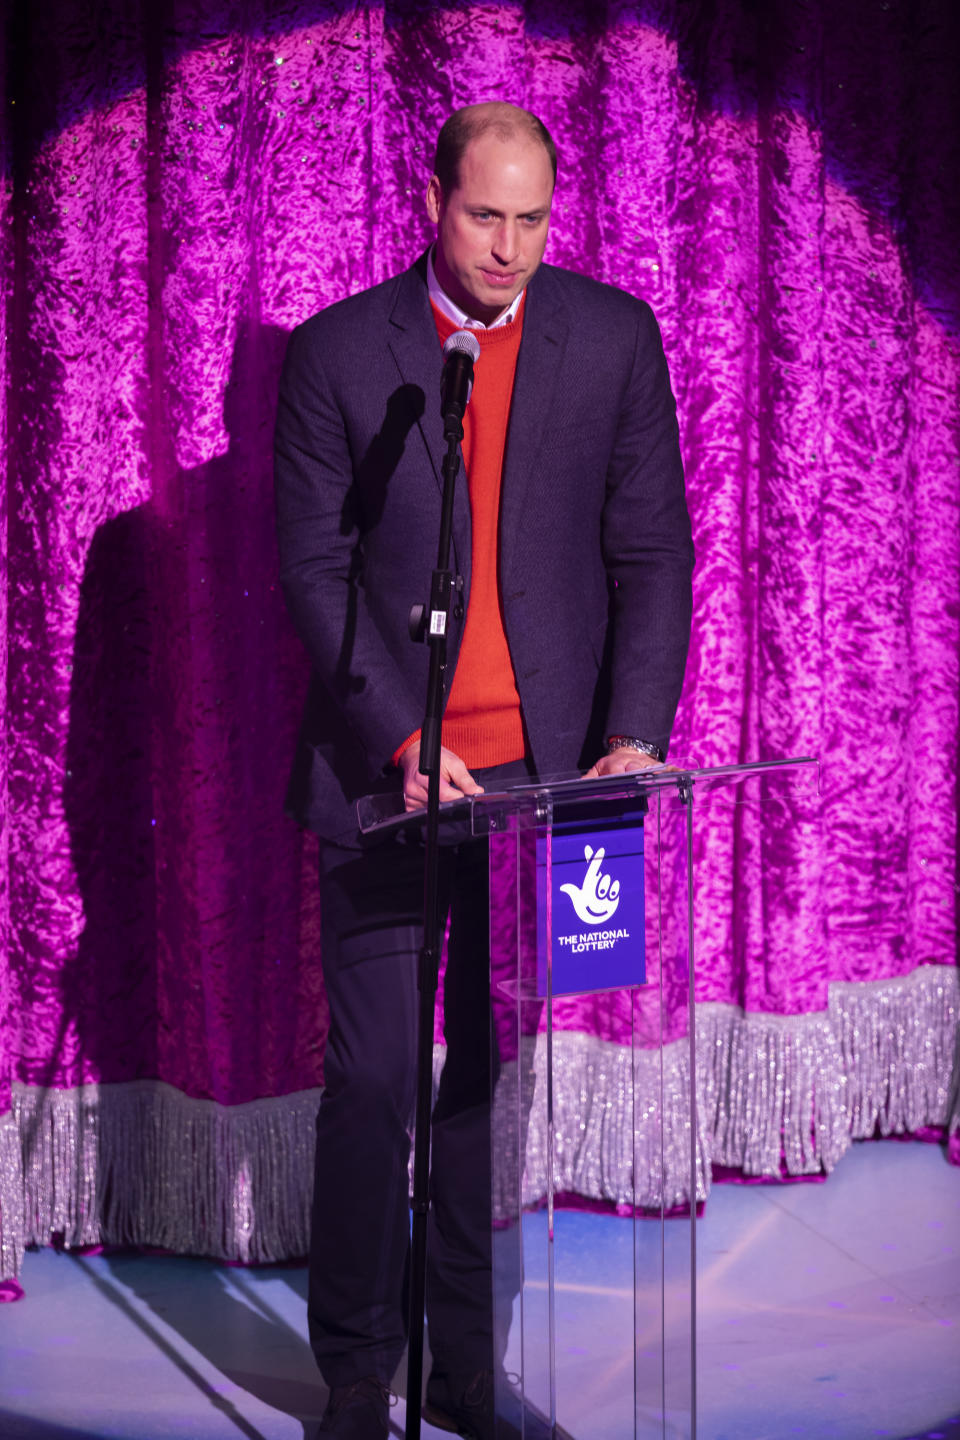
(506, 121)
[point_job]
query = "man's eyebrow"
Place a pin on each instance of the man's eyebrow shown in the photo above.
(521, 214)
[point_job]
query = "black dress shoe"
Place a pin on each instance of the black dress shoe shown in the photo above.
(479, 1408)
(358, 1411)
(461, 1404)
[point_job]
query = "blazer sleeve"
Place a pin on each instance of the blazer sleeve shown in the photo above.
(647, 550)
(321, 552)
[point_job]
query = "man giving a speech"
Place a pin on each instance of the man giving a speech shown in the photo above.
(567, 647)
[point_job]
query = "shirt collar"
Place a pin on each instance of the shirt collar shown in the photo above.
(460, 318)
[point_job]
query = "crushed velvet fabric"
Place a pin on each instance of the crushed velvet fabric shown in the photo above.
(183, 183)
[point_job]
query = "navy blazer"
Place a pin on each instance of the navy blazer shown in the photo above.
(595, 547)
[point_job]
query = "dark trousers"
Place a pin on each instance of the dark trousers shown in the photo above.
(372, 926)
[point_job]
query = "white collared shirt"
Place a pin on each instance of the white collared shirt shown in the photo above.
(460, 317)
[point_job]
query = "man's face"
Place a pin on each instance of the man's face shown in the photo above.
(491, 230)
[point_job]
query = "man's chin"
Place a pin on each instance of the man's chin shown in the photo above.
(499, 297)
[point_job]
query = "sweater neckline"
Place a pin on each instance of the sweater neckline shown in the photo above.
(498, 335)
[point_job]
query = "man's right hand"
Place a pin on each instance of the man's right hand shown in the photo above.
(455, 779)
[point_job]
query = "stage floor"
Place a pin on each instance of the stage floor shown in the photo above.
(824, 1311)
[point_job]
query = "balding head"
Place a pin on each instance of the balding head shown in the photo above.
(496, 117)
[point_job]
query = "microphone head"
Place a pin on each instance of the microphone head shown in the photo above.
(462, 340)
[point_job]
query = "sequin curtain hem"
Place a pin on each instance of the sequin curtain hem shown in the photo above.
(787, 1094)
(11, 1198)
(777, 1095)
(142, 1164)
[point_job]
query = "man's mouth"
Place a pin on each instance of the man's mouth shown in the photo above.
(497, 277)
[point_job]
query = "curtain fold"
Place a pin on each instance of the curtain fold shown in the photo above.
(184, 183)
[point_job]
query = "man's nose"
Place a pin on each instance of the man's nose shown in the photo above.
(506, 242)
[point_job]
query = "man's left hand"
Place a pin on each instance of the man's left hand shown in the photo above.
(620, 762)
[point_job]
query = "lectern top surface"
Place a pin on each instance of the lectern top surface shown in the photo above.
(382, 815)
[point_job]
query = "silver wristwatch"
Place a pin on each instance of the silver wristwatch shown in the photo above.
(630, 742)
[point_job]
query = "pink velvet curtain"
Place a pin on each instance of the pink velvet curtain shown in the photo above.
(185, 182)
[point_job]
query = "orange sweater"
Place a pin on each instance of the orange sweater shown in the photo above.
(482, 722)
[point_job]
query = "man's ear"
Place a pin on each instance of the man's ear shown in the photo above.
(434, 199)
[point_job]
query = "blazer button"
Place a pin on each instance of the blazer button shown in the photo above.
(458, 612)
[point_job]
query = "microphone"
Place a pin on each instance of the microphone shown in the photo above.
(460, 353)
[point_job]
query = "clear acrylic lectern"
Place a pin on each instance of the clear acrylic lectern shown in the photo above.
(595, 886)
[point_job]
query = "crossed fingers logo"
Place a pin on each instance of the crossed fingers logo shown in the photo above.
(598, 897)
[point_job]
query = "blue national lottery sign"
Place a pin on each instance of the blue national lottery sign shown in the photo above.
(597, 908)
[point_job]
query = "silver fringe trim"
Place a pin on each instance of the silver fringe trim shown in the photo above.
(772, 1090)
(614, 1142)
(142, 1164)
(898, 1039)
(11, 1198)
(776, 1095)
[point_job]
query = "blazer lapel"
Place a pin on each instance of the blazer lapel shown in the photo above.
(413, 343)
(545, 330)
(415, 348)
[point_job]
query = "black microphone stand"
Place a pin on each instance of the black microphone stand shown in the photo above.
(431, 627)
